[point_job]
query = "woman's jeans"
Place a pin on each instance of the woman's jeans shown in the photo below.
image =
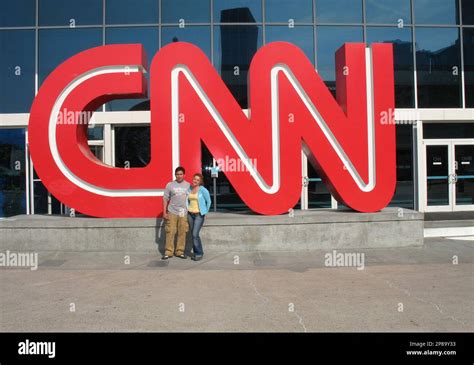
(196, 220)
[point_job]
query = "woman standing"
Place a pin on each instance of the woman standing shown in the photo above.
(198, 204)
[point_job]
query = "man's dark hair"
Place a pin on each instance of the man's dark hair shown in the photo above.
(180, 168)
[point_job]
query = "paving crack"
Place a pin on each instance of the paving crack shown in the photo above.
(254, 286)
(266, 301)
(407, 293)
(301, 321)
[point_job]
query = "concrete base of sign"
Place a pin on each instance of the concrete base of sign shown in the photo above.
(305, 230)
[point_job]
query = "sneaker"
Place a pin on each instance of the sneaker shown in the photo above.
(196, 258)
(165, 257)
(182, 256)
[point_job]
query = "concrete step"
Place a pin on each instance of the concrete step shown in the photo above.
(449, 228)
(298, 231)
(448, 216)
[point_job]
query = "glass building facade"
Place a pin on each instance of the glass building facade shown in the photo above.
(434, 81)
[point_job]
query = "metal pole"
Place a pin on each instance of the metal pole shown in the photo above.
(215, 193)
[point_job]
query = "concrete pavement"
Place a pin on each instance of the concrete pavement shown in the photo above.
(428, 288)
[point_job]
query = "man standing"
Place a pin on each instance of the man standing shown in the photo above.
(175, 214)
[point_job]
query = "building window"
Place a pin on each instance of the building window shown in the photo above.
(403, 60)
(436, 11)
(198, 35)
(185, 11)
(44, 202)
(404, 192)
(70, 13)
(17, 70)
(329, 39)
(388, 12)
(226, 197)
(12, 172)
(448, 130)
(57, 45)
(95, 137)
(467, 12)
(234, 48)
(438, 66)
(95, 133)
(468, 41)
(132, 146)
(289, 12)
(318, 195)
(300, 35)
(237, 11)
(131, 12)
(148, 37)
(339, 11)
(18, 13)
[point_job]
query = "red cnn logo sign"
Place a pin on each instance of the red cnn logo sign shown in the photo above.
(290, 110)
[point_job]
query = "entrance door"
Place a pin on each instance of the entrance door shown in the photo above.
(464, 186)
(449, 184)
